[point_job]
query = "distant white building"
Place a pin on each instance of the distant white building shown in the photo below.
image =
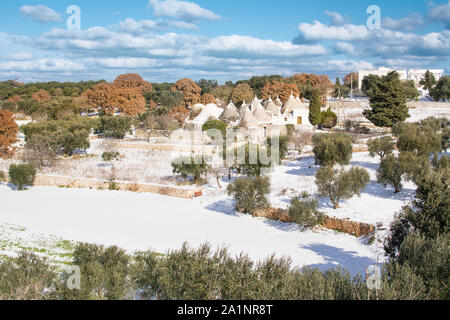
(381, 71)
(413, 74)
(417, 74)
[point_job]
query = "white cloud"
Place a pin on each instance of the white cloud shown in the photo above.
(347, 48)
(43, 65)
(409, 23)
(182, 10)
(144, 26)
(336, 18)
(249, 46)
(40, 13)
(441, 13)
(320, 31)
(18, 56)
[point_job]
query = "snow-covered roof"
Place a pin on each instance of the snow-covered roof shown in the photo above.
(209, 111)
(231, 113)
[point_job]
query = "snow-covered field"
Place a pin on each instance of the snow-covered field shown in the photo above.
(146, 221)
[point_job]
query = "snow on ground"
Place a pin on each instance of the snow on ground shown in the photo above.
(14, 239)
(145, 221)
(376, 204)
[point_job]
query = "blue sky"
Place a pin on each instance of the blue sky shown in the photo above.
(165, 40)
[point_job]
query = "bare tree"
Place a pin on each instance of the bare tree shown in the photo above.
(301, 139)
(166, 124)
(40, 150)
(149, 124)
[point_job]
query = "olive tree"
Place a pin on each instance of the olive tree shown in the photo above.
(341, 184)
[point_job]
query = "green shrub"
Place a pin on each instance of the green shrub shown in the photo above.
(22, 175)
(2, 176)
(328, 119)
(110, 156)
(216, 124)
(304, 211)
(429, 259)
(421, 140)
(340, 184)
(104, 273)
(114, 127)
(330, 149)
(283, 145)
(195, 167)
(27, 277)
(250, 193)
(66, 135)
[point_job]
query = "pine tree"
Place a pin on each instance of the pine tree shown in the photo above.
(387, 101)
(428, 81)
(314, 109)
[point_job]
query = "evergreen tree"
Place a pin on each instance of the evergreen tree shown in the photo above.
(315, 106)
(387, 101)
(442, 89)
(428, 81)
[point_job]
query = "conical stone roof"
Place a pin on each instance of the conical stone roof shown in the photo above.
(248, 120)
(272, 108)
(231, 113)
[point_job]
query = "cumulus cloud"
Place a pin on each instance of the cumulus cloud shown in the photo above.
(143, 26)
(18, 56)
(441, 13)
(182, 10)
(249, 46)
(346, 48)
(43, 65)
(320, 31)
(336, 18)
(412, 22)
(40, 13)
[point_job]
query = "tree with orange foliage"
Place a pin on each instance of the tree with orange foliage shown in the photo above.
(208, 98)
(8, 133)
(280, 89)
(242, 92)
(321, 83)
(41, 95)
(180, 114)
(132, 81)
(131, 101)
(103, 96)
(190, 90)
(348, 80)
(130, 88)
(15, 98)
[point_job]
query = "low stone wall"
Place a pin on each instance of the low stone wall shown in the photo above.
(356, 229)
(59, 181)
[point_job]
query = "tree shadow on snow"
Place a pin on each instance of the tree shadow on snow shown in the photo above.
(366, 165)
(224, 207)
(306, 167)
(376, 189)
(337, 257)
